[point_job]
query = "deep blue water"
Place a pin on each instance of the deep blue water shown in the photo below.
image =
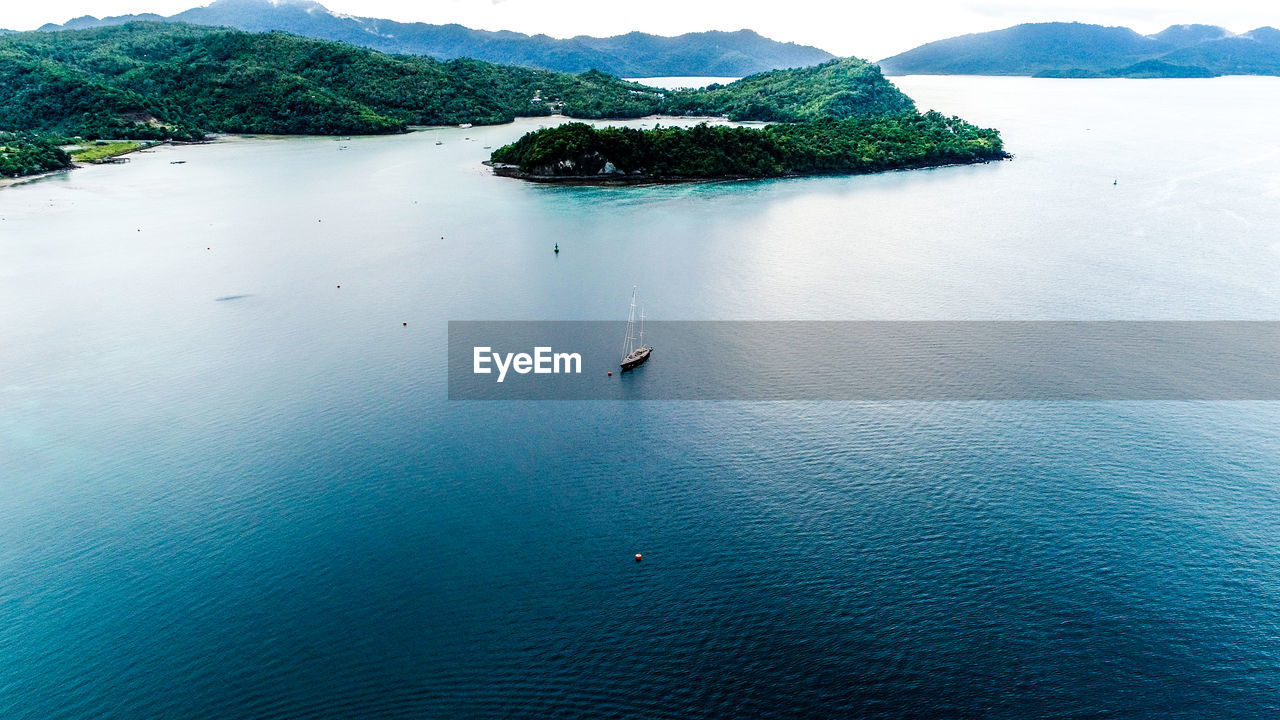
(230, 489)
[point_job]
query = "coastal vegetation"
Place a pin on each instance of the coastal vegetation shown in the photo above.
(25, 155)
(576, 151)
(103, 149)
(158, 81)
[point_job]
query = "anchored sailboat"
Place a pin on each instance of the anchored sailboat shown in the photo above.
(634, 354)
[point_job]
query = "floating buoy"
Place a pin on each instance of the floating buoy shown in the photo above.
(557, 248)
(405, 324)
(339, 286)
(639, 557)
(610, 374)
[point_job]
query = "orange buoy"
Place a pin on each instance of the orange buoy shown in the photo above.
(610, 374)
(639, 557)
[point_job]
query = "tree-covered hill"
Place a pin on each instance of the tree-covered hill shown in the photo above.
(843, 88)
(152, 80)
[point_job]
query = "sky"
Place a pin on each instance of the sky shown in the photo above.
(869, 29)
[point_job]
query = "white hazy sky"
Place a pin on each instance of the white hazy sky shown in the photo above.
(871, 29)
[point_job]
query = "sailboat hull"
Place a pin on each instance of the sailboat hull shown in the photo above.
(636, 358)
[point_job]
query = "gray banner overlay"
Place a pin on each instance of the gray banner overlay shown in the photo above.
(872, 361)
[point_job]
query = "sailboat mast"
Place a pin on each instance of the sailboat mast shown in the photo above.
(641, 326)
(628, 345)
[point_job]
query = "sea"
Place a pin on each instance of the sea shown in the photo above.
(232, 484)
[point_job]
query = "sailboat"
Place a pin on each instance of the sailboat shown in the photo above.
(634, 354)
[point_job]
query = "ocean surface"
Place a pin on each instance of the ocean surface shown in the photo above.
(230, 488)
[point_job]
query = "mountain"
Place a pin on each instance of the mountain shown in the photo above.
(172, 80)
(1184, 35)
(1028, 49)
(1256, 52)
(632, 55)
(1081, 50)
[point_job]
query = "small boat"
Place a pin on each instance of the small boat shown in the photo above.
(464, 126)
(177, 162)
(439, 142)
(634, 354)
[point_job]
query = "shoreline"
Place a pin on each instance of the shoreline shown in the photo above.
(111, 159)
(508, 170)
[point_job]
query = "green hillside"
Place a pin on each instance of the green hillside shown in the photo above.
(151, 80)
(839, 89)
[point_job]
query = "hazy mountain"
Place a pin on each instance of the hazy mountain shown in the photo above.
(1027, 50)
(1256, 52)
(1184, 35)
(1080, 50)
(631, 55)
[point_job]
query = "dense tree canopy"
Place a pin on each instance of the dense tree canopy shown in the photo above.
(851, 145)
(838, 89)
(152, 80)
(21, 156)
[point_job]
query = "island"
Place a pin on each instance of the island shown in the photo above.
(840, 117)
(578, 153)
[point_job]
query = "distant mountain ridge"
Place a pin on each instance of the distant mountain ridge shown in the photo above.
(635, 54)
(1082, 50)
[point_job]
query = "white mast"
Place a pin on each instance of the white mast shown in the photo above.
(641, 326)
(629, 344)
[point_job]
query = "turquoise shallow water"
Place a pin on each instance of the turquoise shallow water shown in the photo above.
(229, 488)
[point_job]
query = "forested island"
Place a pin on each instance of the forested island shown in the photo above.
(577, 152)
(839, 117)
(163, 81)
